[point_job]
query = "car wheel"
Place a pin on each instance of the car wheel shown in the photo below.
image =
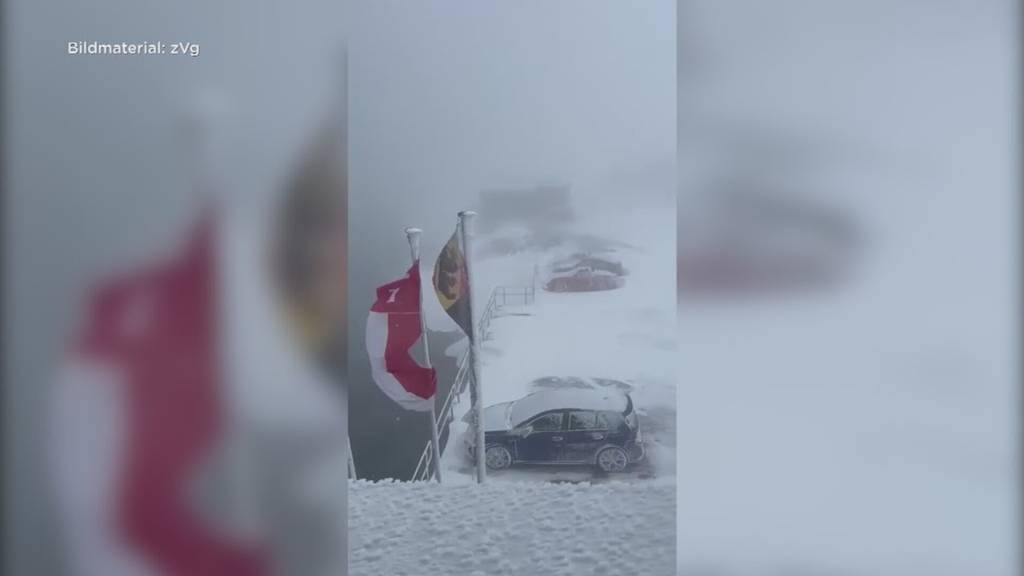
(497, 457)
(612, 459)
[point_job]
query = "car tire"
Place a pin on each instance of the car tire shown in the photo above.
(497, 457)
(612, 459)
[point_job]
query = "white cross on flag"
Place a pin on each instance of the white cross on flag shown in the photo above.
(393, 326)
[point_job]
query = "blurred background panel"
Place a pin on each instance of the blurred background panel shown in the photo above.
(848, 280)
(109, 161)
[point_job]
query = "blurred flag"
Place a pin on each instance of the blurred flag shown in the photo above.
(451, 283)
(392, 327)
(138, 411)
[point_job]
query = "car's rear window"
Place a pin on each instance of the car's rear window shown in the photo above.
(582, 420)
(609, 420)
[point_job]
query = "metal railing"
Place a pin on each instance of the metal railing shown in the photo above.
(444, 417)
(500, 296)
(511, 294)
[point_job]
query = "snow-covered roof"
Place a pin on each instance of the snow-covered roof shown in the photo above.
(573, 398)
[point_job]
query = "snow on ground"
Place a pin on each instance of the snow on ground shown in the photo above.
(522, 528)
(625, 335)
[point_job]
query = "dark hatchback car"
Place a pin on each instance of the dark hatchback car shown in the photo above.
(591, 427)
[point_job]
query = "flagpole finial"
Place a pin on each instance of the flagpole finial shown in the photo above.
(413, 234)
(466, 220)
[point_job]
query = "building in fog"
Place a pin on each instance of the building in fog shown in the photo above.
(542, 204)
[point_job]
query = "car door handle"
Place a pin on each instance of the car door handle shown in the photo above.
(597, 436)
(556, 438)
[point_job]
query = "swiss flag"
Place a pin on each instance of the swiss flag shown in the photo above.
(392, 328)
(138, 410)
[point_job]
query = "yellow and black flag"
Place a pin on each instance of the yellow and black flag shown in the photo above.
(451, 283)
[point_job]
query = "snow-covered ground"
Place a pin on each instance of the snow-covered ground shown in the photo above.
(522, 528)
(624, 337)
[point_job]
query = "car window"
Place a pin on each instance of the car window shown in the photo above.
(609, 420)
(582, 420)
(548, 423)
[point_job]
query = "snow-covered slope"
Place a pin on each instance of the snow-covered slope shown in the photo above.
(423, 528)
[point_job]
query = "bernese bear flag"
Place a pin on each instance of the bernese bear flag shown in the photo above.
(392, 328)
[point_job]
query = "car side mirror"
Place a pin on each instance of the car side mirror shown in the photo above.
(525, 431)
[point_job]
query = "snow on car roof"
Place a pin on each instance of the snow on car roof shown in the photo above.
(574, 398)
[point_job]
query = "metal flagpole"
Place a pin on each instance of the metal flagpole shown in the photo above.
(351, 462)
(413, 234)
(465, 228)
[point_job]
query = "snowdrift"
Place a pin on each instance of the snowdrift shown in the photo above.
(424, 528)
